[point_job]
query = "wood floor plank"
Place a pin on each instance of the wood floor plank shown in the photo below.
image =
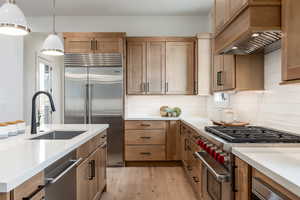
(147, 183)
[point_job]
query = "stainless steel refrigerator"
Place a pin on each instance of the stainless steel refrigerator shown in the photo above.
(94, 95)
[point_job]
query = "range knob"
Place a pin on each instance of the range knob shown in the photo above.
(223, 158)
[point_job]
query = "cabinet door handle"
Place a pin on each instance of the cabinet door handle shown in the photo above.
(148, 87)
(92, 44)
(32, 195)
(92, 164)
(219, 78)
(145, 137)
(146, 125)
(196, 179)
(96, 45)
(145, 153)
(167, 86)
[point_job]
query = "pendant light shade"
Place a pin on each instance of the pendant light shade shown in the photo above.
(53, 46)
(12, 20)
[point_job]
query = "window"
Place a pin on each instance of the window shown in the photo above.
(44, 83)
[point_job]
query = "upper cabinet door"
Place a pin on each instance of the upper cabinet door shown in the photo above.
(109, 45)
(180, 67)
(79, 45)
(156, 67)
(228, 72)
(217, 73)
(136, 67)
(291, 40)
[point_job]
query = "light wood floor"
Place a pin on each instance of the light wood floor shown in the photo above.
(148, 183)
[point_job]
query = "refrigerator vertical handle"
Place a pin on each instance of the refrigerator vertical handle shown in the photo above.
(86, 107)
(90, 111)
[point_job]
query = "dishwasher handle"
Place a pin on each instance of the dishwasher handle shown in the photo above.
(57, 178)
(221, 174)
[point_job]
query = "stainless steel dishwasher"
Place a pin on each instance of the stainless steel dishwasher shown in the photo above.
(60, 178)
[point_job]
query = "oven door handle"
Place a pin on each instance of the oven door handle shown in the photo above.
(221, 174)
(55, 179)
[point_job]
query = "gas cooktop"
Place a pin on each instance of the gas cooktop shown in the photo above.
(252, 134)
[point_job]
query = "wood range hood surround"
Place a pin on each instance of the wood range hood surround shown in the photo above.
(255, 26)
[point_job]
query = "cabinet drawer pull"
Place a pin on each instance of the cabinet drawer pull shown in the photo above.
(146, 125)
(145, 153)
(32, 195)
(145, 137)
(92, 164)
(196, 179)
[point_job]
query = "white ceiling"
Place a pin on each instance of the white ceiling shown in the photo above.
(116, 7)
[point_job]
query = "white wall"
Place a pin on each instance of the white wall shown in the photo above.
(150, 105)
(32, 46)
(132, 25)
(278, 106)
(11, 78)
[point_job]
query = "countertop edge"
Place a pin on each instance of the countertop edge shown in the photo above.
(269, 173)
(19, 179)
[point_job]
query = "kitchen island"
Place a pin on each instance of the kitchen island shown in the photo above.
(23, 158)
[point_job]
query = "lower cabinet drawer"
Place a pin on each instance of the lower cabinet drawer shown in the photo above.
(142, 125)
(30, 189)
(145, 153)
(145, 137)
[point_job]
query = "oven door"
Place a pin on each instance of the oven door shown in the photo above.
(215, 178)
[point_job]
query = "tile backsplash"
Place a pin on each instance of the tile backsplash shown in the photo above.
(150, 105)
(278, 106)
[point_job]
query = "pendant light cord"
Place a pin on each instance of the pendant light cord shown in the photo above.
(53, 11)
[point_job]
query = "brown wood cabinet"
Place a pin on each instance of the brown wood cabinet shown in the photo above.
(94, 42)
(136, 67)
(173, 141)
(180, 68)
(238, 72)
(160, 66)
(235, 6)
(91, 173)
(242, 180)
(79, 45)
(145, 140)
(29, 187)
(102, 175)
(156, 67)
(291, 40)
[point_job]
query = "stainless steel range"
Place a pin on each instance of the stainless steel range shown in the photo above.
(218, 162)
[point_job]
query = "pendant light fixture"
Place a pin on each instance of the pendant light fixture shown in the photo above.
(12, 20)
(53, 45)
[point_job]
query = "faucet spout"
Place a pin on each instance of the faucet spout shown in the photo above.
(33, 112)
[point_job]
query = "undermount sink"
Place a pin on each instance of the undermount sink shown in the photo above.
(58, 135)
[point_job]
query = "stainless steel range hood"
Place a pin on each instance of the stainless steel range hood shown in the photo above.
(254, 29)
(251, 43)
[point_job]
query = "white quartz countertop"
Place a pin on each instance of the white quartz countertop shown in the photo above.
(22, 158)
(281, 164)
(150, 117)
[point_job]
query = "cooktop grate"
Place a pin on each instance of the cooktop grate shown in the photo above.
(252, 134)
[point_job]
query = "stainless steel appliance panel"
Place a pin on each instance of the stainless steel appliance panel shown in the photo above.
(106, 91)
(60, 178)
(106, 107)
(76, 85)
(216, 179)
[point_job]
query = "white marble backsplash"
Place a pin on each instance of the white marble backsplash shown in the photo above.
(278, 106)
(150, 105)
